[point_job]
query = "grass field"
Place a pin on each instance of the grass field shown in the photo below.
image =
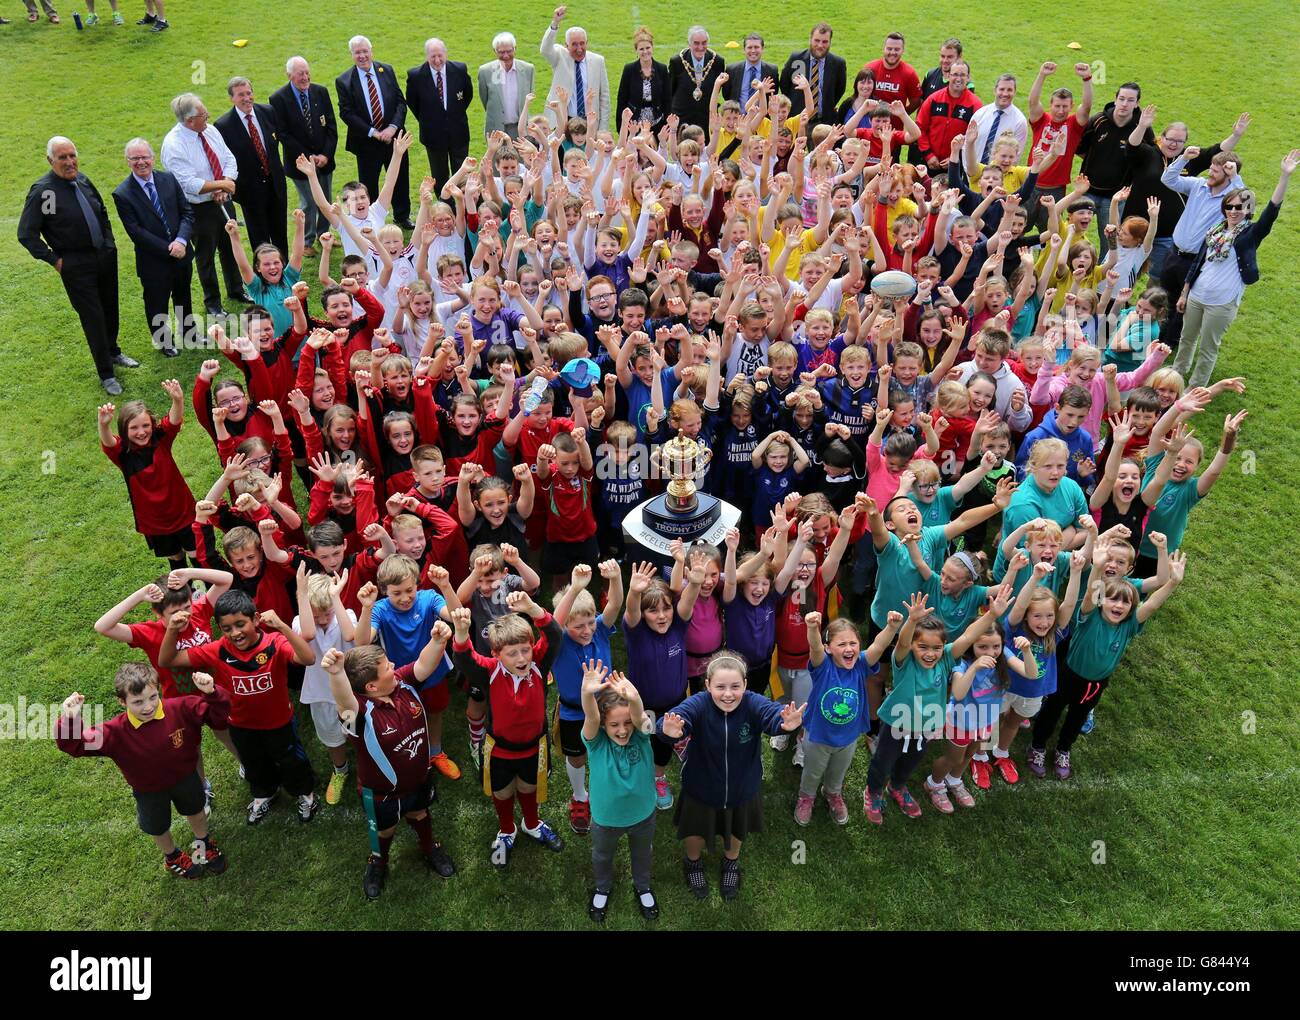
(1182, 813)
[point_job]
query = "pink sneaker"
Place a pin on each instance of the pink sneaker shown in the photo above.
(903, 798)
(961, 795)
(803, 809)
(873, 807)
(938, 797)
(839, 810)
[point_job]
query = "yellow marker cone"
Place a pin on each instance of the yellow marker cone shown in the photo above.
(1073, 46)
(241, 43)
(731, 44)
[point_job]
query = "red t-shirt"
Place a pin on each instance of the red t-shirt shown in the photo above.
(148, 638)
(901, 82)
(570, 516)
(953, 444)
(160, 500)
(791, 631)
(392, 740)
(875, 148)
(258, 680)
(1046, 131)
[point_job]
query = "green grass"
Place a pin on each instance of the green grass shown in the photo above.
(1196, 816)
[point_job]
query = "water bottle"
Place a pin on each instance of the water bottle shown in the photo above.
(534, 395)
(76, 20)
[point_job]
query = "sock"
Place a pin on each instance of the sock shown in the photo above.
(477, 728)
(981, 756)
(204, 840)
(528, 807)
(505, 813)
(423, 832)
(930, 784)
(176, 852)
(384, 843)
(999, 753)
(730, 873)
(647, 898)
(952, 780)
(434, 751)
(577, 779)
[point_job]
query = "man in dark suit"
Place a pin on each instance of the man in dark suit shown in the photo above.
(826, 74)
(307, 128)
(744, 75)
(691, 74)
(372, 106)
(253, 136)
(159, 222)
(64, 223)
(438, 93)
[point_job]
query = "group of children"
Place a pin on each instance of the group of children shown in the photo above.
(472, 413)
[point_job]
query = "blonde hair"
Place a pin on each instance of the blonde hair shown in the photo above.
(1043, 449)
(318, 592)
(406, 522)
(925, 470)
(511, 629)
(583, 604)
(1042, 593)
(818, 315)
(396, 569)
(1048, 529)
(951, 395)
(726, 659)
(1167, 377)
(1082, 354)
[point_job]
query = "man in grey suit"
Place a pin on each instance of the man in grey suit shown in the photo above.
(504, 85)
(577, 71)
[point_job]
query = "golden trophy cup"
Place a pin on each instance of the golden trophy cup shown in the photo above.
(684, 460)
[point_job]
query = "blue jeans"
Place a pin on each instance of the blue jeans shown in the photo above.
(1159, 252)
(1101, 219)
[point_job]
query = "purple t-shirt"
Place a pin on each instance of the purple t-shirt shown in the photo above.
(500, 329)
(656, 663)
(751, 629)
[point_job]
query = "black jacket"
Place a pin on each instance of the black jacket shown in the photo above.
(1103, 147)
(834, 77)
(441, 128)
(682, 86)
(52, 226)
(147, 232)
(354, 108)
(315, 134)
(1146, 163)
(629, 92)
(736, 72)
(253, 186)
(1245, 246)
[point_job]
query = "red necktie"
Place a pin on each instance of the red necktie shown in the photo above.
(214, 164)
(376, 111)
(258, 147)
(437, 78)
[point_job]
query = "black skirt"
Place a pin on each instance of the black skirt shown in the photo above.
(694, 818)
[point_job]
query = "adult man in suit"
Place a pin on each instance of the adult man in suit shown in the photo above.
(503, 86)
(438, 94)
(64, 223)
(372, 106)
(826, 74)
(252, 134)
(306, 118)
(159, 222)
(744, 75)
(576, 71)
(691, 74)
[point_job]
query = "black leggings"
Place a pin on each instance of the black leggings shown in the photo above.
(895, 759)
(1075, 697)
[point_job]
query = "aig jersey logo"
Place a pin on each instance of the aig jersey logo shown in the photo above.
(257, 683)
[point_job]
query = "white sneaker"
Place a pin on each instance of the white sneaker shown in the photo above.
(780, 742)
(241, 771)
(797, 758)
(258, 809)
(308, 805)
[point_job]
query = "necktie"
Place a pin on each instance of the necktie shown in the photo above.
(258, 147)
(306, 108)
(92, 221)
(214, 164)
(376, 111)
(152, 192)
(993, 134)
(815, 84)
(753, 82)
(581, 88)
(442, 93)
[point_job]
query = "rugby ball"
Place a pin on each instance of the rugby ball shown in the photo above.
(893, 283)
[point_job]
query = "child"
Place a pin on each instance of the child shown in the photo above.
(1120, 496)
(839, 716)
(564, 475)
(751, 619)
(775, 477)
(254, 667)
(1109, 618)
(324, 624)
(514, 684)
(721, 795)
(488, 583)
(1064, 422)
(704, 632)
(383, 716)
(914, 711)
(161, 502)
(487, 515)
(621, 784)
(155, 743)
(586, 637)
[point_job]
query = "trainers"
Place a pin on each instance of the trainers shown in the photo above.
(580, 816)
(372, 883)
(501, 849)
(439, 861)
(1006, 768)
(334, 791)
(547, 836)
(258, 809)
(445, 765)
(90, 19)
(118, 19)
(838, 809)
(207, 853)
(663, 795)
(983, 773)
(803, 809)
(938, 797)
(903, 798)
(180, 863)
(780, 742)
(796, 759)
(308, 805)
(960, 794)
(730, 878)
(1088, 724)
(1061, 766)
(1036, 759)
(148, 19)
(873, 807)
(695, 880)
(160, 26)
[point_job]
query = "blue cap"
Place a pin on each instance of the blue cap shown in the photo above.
(581, 374)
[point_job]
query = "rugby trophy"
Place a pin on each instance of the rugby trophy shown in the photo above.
(682, 511)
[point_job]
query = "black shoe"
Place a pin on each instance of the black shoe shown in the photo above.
(406, 224)
(215, 312)
(373, 881)
(214, 861)
(596, 913)
(240, 296)
(730, 878)
(695, 880)
(125, 360)
(148, 19)
(547, 837)
(439, 861)
(171, 352)
(111, 386)
(650, 913)
(159, 25)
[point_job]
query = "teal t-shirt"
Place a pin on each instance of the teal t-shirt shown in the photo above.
(1065, 505)
(1140, 336)
(1056, 580)
(938, 512)
(897, 580)
(1097, 645)
(918, 701)
(1169, 515)
(622, 780)
(271, 296)
(956, 613)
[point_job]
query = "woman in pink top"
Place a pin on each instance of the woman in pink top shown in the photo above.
(1082, 370)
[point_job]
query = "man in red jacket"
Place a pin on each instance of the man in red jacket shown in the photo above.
(944, 115)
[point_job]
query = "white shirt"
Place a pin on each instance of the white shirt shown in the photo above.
(315, 681)
(183, 157)
(374, 219)
(255, 128)
(440, 82)
(509, 93)
(1012, 120)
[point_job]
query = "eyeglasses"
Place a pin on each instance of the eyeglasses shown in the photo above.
(926, 486)
(1233, 205)
(138, 159)
(602, 297)
(258, 462)
(230, 402)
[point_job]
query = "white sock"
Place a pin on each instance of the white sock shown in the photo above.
(999, 753)
(599, 900)
(577, 779)
(980, 757)
(647, 899)
(952, 780)
(930, 784)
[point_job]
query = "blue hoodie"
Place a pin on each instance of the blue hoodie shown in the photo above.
(1079, 441)
(724, 768)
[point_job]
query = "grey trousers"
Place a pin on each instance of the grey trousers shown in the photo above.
(1206, 324)
(49, 7)
(825, 766)
(640, 844)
